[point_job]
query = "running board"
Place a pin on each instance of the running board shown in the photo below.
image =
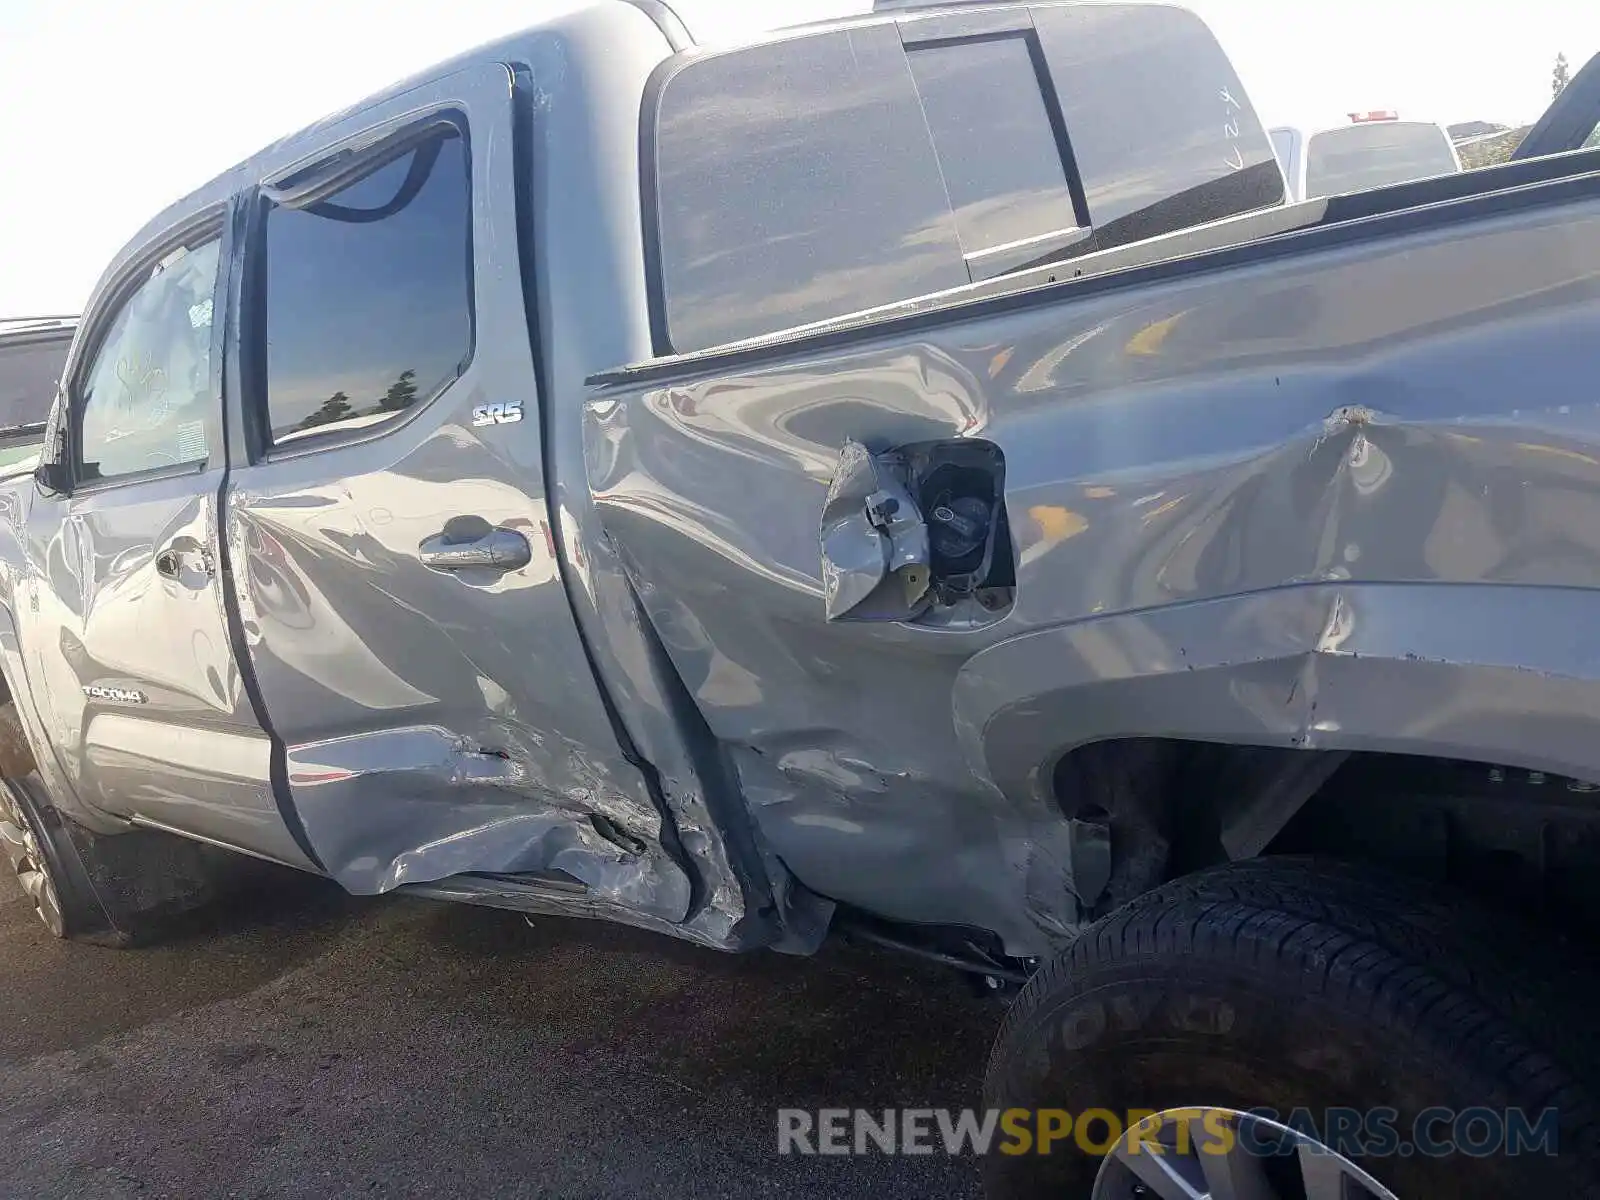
(557, 894)
(544, 895)
(502, 891)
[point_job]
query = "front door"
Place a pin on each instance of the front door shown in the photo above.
(130, 654)
(398, 584)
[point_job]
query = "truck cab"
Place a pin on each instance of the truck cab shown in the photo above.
(319, 491)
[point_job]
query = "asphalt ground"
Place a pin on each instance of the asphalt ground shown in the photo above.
(299, 1042)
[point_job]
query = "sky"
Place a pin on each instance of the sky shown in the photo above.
(109, 110)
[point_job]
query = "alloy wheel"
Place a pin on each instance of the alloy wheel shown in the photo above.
(1222, 1154)
(21, 846)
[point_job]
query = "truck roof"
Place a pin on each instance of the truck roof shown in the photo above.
(287, 151)
(284, 153)
(1112, 199)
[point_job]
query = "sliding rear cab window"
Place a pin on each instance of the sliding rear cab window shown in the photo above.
(985, 107)
(795, 182)
(835, 171)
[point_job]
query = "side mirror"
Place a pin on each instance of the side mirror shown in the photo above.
(53, 477)
(52, 474)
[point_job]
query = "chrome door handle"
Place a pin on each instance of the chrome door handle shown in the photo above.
(181, 552)
(498, 550)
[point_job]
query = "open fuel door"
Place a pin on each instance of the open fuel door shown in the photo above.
(916, 531)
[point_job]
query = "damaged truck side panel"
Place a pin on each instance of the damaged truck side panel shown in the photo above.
(910, 474)
(365, 692)
(418, 743)
(1317, 497)
(717, 642)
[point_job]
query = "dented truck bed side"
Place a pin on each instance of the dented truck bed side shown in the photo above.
(1337, 490)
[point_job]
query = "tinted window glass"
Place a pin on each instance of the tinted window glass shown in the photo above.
(796, 182)
(1375, 154)
(147, 399)
(29, 371)
(1002, 165)
(828, 173)
(1162, 129)
(368, 294)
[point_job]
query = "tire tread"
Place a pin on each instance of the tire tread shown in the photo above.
(1509, 1002)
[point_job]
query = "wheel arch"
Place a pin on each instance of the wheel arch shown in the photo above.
(12, 755)
(1494, 674)
(32, 724)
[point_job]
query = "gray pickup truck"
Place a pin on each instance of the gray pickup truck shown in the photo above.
(912, 476)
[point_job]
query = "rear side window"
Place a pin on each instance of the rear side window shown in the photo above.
(30, 367)
(997, 149)
(369, 295)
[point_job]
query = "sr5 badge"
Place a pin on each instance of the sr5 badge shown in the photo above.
(497, 414)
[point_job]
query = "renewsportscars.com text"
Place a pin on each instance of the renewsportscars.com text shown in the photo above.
(1354, 1133)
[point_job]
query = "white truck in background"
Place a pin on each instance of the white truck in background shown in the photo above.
(1376, 149)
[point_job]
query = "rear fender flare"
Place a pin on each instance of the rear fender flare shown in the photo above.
(13, 677)
(1497, 674)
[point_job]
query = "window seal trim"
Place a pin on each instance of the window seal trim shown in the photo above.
(1026, 243)
(655, 267)
(305, 184)
(921, 31)
(995, 261)
(95, 487)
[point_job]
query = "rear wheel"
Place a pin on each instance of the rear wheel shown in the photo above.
(111, 890)
(1291, 1008)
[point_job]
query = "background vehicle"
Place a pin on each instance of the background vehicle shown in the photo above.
(908, 473)
(1376, 149)
(32, 352)
(1289, 144)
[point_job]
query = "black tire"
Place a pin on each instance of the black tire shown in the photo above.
(108, 890)
(1298, 984)
(48, 868)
